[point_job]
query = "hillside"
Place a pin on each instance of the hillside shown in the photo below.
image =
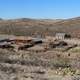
(26, 26)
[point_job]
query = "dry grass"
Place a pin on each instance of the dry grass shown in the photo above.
(25, 65)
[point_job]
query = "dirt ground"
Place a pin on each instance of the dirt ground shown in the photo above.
(50, 65)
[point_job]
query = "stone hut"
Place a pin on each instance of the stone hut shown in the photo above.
(62, 36)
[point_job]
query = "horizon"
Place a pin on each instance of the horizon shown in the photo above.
(39, 18)
(39, 9)
(15, 18)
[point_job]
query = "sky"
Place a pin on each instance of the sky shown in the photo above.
(39, 9)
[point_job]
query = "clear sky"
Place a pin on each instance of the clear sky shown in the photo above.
(39, 9)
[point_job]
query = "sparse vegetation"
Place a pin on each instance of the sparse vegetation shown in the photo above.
(75, 50)
(57, 61)
(30, 26)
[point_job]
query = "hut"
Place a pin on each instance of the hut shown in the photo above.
(21, 39)
(62, 36)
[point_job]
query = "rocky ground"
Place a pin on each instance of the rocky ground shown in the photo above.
(50, 65)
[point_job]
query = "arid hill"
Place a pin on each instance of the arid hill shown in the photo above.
(26, 26)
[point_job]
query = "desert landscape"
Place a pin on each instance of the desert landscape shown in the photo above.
(40, 49)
